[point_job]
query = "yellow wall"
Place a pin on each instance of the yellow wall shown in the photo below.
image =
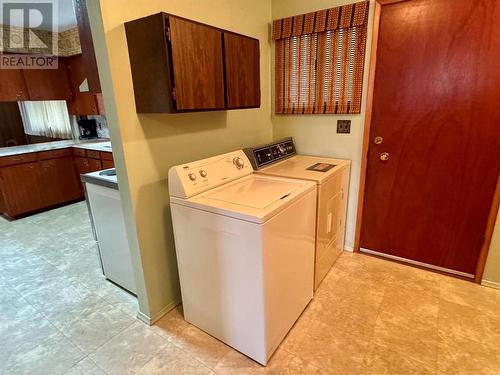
(146, 146)
(316, 134)
(491, 275)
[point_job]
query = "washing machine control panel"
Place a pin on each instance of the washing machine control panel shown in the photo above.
(262, 156)
(189, 179)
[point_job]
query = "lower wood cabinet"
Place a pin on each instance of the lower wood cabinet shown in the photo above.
(59, 181)
(20, 189)
(34, 181)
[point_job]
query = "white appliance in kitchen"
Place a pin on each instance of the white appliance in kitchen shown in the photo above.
(106, 214)
(331, 177)
(245, 250)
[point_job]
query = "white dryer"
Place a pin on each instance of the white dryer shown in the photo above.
(245, 250)
(332, 179)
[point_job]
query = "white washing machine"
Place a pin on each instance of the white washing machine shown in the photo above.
(331, 177)
(245, 250)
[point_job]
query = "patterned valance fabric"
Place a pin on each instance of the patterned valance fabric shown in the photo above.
(323, 20)
(319, 61)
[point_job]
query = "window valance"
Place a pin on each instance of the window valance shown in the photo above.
(323, 20)
(319, 61)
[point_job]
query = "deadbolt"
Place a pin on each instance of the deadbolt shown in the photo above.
(378, 140)
(384, 156)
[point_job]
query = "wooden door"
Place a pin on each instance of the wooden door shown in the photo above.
(59, 183)
(197, 65)
(20, 188)
(12, 85)
(48, 84)
(436, 100)
(242, 61)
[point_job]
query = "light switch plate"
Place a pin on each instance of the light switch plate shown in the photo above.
(343, 126)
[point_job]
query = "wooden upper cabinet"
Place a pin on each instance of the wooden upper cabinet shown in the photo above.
(242, 61)
(178, 65)
(48, 84)
(197, 64)
(82, 103)
(87, 44)
(12, 85)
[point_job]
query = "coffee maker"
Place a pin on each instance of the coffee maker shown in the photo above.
(88, 128)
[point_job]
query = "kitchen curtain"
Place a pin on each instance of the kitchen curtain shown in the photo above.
(46, 118)
(319, 60)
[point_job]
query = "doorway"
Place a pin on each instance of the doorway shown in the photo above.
(434, 141)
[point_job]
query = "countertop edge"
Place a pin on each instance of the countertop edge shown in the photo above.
(99, 181)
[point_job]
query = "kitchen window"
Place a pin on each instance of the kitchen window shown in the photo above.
(46, 118)
(319, 61)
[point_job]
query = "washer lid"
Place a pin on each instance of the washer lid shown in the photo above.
(254, 198)
(254, 192)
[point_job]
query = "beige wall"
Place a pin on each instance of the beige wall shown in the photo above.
(316, 134)
(146, 146)
(491, 275)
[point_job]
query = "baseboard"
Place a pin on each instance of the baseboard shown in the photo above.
(490, 284)
(152, 320)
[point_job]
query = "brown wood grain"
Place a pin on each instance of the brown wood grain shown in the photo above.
(436, 95)
(12, 85)
(58, 182)
(87, 44)
(197, 65)
(242, 62)
(17, 184)
(48, 84)
(81, 103)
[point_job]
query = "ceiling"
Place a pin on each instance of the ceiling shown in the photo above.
(65, 17)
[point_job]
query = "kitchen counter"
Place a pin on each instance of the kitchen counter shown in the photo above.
(101, 179)
(97, 145)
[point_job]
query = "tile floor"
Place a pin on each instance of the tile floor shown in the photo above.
(369, 316)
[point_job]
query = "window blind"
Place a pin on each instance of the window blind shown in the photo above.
(319, 60)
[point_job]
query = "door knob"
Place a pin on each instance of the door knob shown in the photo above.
(378, 140)
(384, 156)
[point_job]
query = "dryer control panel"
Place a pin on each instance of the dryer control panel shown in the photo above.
(193, 178)
(262, 156)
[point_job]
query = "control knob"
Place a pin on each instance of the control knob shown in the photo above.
(238, 162)
(203, 173)
(192, 176)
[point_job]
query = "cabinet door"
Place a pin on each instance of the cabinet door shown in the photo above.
(81, 103)
(59, 182)
(106, 164)
(20, 189)
(94, 165)
(82, 165)
(48, 84)
(12, 85)
(85, 34)
(197, 65)
(242, 62)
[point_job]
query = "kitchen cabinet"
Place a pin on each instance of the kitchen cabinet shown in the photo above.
(107, 160)
(87, 45)
(12, 85)
(48, 84)
(59, 182)
(180, 65)
(242, 60)
(82, 103)
(20, 189)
